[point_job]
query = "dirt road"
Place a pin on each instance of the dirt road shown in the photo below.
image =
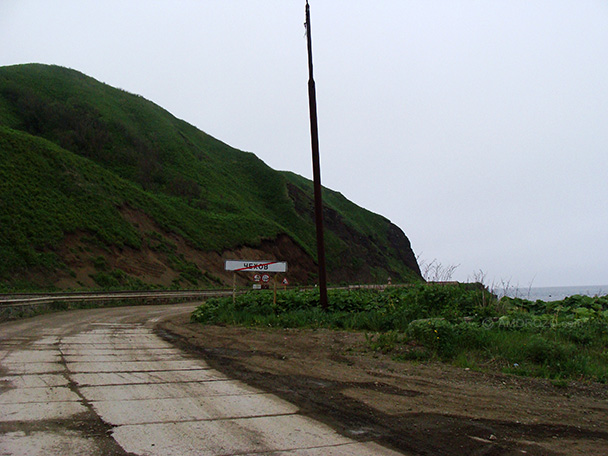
(425, 409)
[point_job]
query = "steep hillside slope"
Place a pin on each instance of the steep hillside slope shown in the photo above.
(100, 187)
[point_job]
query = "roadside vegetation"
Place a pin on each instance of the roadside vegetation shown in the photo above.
(463, 324)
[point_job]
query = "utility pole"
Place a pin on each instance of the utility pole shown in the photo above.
(316, 168)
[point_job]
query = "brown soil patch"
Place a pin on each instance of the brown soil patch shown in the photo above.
(421, 409)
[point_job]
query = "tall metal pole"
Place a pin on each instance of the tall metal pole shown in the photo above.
(316, 168)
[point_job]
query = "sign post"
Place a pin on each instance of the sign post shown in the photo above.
(260, 267)
(256, 266)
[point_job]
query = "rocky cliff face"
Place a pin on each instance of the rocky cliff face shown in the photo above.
(365, 257)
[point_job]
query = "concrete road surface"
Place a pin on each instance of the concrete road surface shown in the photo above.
(100, 382)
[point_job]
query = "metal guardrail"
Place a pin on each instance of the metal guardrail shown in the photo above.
(16, 306)
(16, 300)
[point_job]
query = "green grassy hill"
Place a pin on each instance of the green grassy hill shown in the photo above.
(99, 187)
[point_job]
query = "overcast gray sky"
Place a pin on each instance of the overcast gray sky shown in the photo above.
(479, 127)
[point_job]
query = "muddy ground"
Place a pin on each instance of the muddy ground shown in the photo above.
(417, 408)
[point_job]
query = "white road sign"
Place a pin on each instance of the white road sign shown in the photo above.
(256, 266)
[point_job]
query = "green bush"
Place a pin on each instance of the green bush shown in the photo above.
(446, 339)
(437, 334)
(117, 279)
(100, 263)
(541, 350)
(586, 333)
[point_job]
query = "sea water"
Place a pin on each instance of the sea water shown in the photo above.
(554, 293)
